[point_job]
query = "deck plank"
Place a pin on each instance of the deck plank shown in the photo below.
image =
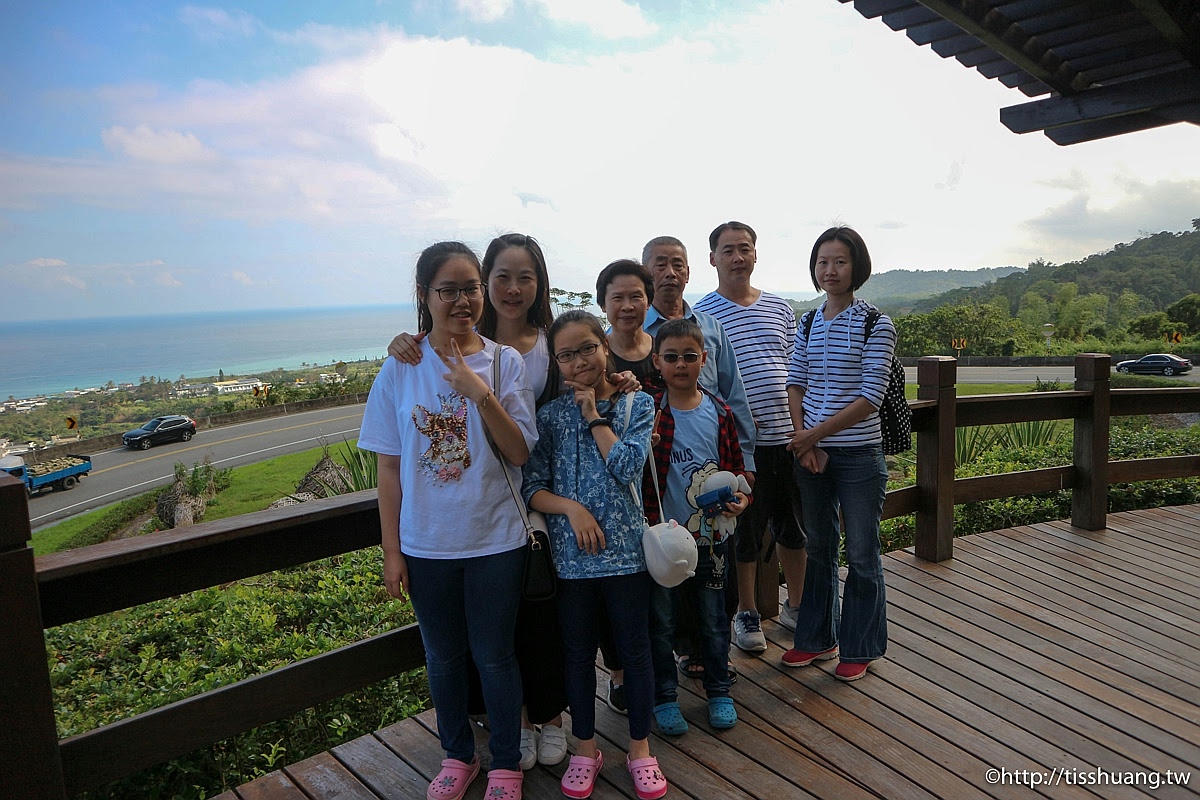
(380, 769)
(1037, 648)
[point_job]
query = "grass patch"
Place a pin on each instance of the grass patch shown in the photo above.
(254, 487)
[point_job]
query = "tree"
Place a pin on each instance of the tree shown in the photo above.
(220, 374)
(989, 331)
(1150, 326)
(1186, 312)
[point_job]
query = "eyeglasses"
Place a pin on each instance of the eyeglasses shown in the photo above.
(688, 358)
(450, 294)
(569, 355)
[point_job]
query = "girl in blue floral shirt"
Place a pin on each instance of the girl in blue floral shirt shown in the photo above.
(579, 475)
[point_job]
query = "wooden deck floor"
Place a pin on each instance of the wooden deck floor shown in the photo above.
(1040, 648)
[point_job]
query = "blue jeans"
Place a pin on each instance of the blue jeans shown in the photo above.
(707, 590)
(627, 600)
(467, 607)
(855, 480)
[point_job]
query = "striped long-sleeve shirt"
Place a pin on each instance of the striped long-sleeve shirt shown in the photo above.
(763, 335)
(837, 365)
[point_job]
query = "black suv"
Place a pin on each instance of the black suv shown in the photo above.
(161, 429)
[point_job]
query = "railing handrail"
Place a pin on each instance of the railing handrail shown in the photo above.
(89, 581)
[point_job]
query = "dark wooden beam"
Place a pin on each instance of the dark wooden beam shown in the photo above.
(1004, 36)
(1182, 33)
(1116, 126)
(1103, 102)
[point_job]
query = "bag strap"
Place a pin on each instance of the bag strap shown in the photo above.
(496, 450)
(649, 460)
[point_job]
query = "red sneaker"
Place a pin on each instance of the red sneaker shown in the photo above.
(799, 658)
(850, 671)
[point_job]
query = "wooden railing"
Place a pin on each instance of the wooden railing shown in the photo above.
(54, 589)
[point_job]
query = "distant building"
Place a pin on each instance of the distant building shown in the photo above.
(193, 390)
(331, 377)
(239, 386)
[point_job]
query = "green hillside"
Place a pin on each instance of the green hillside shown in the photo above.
(900, 289)
(1160, 269)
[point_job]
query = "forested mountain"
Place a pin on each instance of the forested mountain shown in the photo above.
(1160, 269)
(900, 289)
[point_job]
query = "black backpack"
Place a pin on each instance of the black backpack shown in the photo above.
(895, 416)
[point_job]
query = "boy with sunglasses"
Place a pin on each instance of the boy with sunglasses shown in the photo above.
(696, 437)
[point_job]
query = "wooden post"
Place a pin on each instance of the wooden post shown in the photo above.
(1089, 498)
(936, 377)
(30, 766)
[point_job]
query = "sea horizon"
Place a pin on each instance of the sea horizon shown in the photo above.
(48, 357)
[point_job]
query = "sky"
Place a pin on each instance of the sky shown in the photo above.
(159, 157)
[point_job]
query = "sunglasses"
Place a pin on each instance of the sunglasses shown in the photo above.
(688, 358)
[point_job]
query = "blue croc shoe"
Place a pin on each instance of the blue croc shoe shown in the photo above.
(670, 719)
(721, 713)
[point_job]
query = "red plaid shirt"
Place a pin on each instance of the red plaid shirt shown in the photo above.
(729, 450)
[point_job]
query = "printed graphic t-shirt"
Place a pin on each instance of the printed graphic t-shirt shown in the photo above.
(694, 457)
(456, 502)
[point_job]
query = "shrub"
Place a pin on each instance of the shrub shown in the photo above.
(114, 666)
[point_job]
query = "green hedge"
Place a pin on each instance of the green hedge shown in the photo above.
(1129, 439)
(117, 665)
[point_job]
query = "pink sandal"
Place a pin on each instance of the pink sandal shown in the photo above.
(580, 777)
(648, 780)
(452, 782)
(504, 784)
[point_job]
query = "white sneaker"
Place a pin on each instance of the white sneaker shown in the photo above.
(529, 748)
(787, 615)
(747, 632)
(552, 748)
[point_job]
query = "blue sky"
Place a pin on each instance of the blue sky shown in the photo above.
(158, 156)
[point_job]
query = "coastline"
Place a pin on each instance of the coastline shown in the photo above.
(52, 357)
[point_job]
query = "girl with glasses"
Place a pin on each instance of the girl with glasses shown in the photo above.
(429, 423)
(516, 312)
(592, 447)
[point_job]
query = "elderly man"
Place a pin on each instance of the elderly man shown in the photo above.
(667, 259)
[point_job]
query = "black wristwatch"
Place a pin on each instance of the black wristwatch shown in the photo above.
(600, 422)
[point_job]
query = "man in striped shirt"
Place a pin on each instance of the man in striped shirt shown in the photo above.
(762, 329)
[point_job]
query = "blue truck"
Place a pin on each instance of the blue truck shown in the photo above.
(62, 472)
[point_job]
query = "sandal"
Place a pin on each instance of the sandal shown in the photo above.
(670, 719)
(690, 666)
(580, 777)
(721, 713)
(452, 782)
(648, 780)
(504, 784)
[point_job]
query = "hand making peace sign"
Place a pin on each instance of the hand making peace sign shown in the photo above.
(461, 377)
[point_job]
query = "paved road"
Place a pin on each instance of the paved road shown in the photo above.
(1066, 375)
(121, 472)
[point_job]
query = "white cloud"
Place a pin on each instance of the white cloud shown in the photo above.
(789, 117)
(167, 280)
(612, 19)
(484, 10)
(46, 262)
(73, 281)
(216, 23)
(164, 147)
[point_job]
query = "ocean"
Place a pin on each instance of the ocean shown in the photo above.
(54, 356)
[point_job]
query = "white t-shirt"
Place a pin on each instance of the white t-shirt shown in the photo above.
(456, 502)
(537, 364)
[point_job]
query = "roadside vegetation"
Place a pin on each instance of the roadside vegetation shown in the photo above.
(114, 410)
